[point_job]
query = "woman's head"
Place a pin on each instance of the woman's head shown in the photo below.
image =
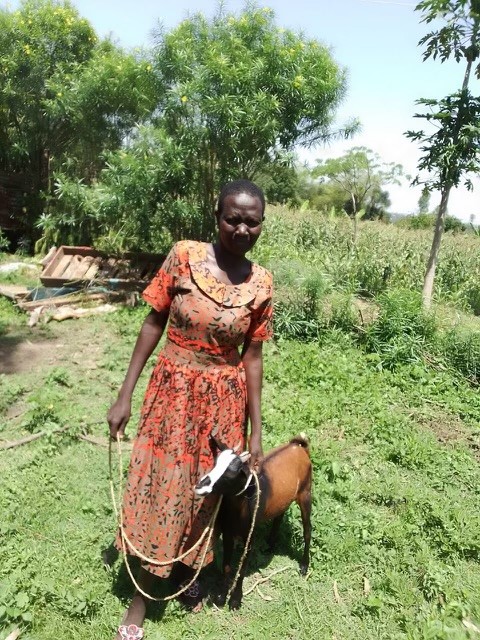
(235, 187)
(240, 211)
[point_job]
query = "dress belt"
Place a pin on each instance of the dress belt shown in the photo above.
(228, 356)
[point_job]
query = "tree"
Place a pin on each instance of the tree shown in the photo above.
(65, 96)
(452, 151)
(234, 96)
(238, 92)
(424, 201)
(360, 175)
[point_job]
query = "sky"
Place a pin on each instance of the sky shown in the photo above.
(375, 40)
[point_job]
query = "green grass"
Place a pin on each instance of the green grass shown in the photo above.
(393, 500)
(306, 246)
(387, 397)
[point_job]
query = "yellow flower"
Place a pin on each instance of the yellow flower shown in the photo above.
(59, 94)
(298, 81)
(184, 99)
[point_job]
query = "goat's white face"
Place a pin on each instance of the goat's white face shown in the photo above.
(206, 484)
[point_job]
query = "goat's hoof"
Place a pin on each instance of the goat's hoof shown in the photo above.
(220, 599)
(303, 569)
(234, 604)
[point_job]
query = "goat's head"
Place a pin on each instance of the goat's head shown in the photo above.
(230, 475)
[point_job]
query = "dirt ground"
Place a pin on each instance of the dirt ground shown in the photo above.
(61, 344)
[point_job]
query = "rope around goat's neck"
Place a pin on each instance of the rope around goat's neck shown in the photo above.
(125, 540)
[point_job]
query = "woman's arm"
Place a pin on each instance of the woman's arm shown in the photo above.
(252, 358)
(148, 338)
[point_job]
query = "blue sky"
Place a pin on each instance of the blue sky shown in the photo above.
(376, 40)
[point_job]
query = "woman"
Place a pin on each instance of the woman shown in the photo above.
(216, 301)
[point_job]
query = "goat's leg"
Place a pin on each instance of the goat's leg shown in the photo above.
(305, 503)
(221, 598)
(273, 535)
(237, 593)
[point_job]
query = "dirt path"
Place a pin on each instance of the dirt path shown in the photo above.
(29, 350)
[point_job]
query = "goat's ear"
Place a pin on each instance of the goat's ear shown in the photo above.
(220, 446)
(245, 456)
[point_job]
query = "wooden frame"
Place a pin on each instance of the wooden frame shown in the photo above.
(83, 265)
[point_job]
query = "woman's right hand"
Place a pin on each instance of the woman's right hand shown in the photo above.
(118, 417)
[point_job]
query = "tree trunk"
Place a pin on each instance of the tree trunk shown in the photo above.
(355, 224)
(435, 249)
(442, 210)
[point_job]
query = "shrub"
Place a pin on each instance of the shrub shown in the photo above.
(461, 350)
(420, 221)
(403, 332)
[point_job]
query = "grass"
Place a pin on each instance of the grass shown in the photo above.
(394, 502)
(382, 392)
(386, 256)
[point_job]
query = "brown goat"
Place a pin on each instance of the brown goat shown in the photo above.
(285, 476)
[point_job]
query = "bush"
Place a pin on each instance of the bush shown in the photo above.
(461, 350)
(403, 332)
(420, 221)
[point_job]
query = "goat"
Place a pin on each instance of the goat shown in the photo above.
(285, 476)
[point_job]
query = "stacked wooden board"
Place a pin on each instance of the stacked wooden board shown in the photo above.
(83, 265)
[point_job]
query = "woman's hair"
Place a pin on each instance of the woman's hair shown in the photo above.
(235, 187)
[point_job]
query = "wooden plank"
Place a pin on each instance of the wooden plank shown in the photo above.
(92, 270)
(83, 264)
(13, 291)
(71, 272)
(58, 301)
(62, 266)
(108, 268)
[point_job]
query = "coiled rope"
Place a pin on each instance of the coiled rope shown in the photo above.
(207, 534)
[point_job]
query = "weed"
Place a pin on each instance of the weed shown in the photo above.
(403, 332)
(60, 376)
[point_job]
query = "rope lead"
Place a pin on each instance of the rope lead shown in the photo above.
(208, 531)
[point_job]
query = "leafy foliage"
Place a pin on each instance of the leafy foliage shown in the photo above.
(233, 95)
(66, 96)
(137, 203)
(361, 176)
(451, 151)
(402, 333)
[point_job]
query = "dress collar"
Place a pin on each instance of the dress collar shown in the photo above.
(228, 295)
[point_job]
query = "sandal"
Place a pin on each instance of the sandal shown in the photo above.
(192, 597)
(130, 632)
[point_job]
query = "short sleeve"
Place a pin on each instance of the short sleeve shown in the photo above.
(159, 293)
(261, 326)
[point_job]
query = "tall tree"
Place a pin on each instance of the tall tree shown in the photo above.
(452, 151)
(235, 95)
(238, 92)
(360, 174)
(64, 95)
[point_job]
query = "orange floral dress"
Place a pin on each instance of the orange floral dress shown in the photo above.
(197, 389)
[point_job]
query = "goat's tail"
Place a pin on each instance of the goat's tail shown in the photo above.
(301, 440)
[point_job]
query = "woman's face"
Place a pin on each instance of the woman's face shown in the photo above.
(240, 223)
